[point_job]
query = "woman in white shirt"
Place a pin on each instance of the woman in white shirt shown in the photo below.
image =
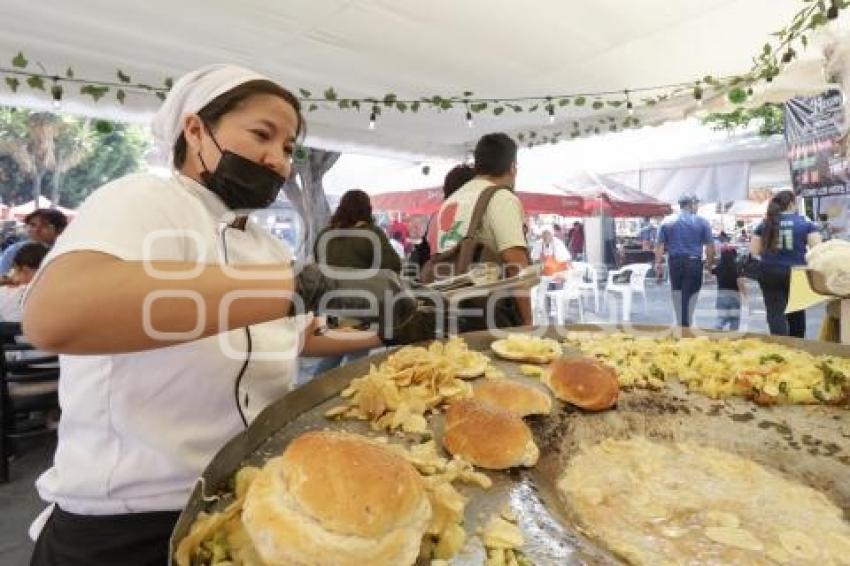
(172, 314)
(551, 248)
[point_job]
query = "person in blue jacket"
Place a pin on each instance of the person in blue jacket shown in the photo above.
(781, 240)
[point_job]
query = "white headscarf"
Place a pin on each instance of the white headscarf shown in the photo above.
(190, 94)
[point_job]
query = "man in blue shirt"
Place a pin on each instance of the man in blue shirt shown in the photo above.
(647, 235)
(684, 236)
(43, 225)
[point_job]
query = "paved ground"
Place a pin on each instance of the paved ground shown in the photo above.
(19, 502)
(659, 309)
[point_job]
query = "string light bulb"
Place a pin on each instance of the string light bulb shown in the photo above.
(832, 12)
(56, 93)
(373, 118)
(469, 121)
(698, 95)
(630, 108)
(550, 108)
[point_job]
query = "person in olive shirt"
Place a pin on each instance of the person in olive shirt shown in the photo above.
(352, 239)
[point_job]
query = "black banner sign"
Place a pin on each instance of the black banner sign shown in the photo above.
(816, 138)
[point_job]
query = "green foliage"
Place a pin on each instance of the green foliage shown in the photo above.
(36, 83)
(96, 92)
(20, 61)
(770, 118)
(114, 155)
(86, 154)
(737, 96)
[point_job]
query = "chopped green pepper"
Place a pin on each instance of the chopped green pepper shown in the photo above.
(656, 371)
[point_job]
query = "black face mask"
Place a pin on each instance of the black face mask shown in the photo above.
(241, 183)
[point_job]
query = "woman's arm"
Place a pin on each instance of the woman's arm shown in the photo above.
(755, 245)
(339, 341)
(94, 303)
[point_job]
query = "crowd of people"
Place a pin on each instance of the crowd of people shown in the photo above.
(22, 257)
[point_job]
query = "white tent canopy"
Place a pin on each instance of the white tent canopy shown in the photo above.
(372, 47)
(664, 162)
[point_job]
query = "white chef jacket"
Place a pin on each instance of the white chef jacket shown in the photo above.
(137, 429)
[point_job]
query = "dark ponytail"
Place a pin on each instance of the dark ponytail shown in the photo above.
(778, 204)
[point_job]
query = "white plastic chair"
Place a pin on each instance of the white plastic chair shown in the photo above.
(562, 297)
(587, 280)
(539, 296)
(636, 284)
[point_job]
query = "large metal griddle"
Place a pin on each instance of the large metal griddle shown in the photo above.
(808, 443)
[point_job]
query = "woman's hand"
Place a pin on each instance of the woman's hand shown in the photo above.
(319, 340)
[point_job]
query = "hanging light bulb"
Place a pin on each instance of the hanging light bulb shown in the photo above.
(832, 12)
(469, 121)
(550, 108)
(630, 108)
(698, 95)
(551, 116)
(373, 117)
(56, 93)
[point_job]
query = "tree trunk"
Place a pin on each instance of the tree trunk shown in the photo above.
(36, 186)
(308, 197)
(55, 182)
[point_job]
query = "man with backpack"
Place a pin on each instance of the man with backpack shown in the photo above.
(482, 223)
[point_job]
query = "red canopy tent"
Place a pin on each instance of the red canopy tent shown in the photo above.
(608, 197)
(428, 201)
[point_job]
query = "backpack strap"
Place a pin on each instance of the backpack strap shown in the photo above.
(481, 207)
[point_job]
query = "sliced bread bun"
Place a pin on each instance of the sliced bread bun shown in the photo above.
(487, 436)
(517, 398)
(583, 382)
(336, 498)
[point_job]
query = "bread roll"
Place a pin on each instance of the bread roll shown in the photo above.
(517, 398)
(338, 499)
(487, 436)
(583, 382)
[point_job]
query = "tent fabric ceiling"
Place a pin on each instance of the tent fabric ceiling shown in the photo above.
(494, 48)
